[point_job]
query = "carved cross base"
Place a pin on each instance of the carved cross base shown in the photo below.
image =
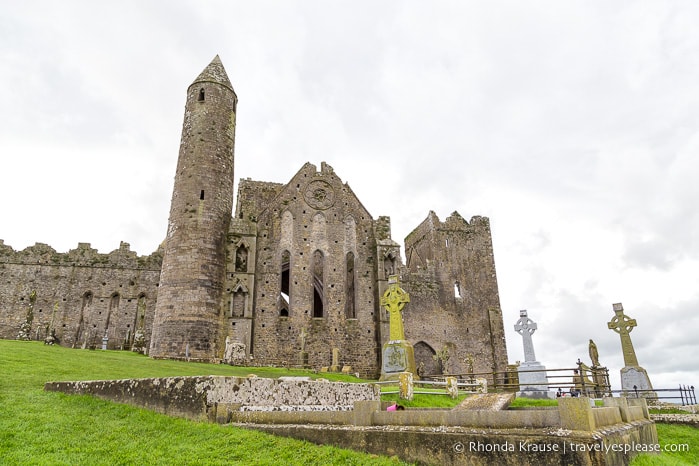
(636, 376)
(533, 382)
(398, 356)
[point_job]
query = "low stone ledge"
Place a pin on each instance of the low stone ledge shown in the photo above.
(568, 435)
(687, 419)
(606, 416)
(454, 445)
(207, 397)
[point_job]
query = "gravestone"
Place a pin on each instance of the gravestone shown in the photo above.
(532, 374)
(633, 376)
(234, 353)
(398, 354)
(139, 341)
(486, 402)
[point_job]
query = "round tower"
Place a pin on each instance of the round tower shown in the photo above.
(186, 321)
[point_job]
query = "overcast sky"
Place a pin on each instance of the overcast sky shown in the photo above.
(573, 126)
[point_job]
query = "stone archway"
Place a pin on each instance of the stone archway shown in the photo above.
(424, 360)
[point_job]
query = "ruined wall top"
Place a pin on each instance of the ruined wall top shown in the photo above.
(253, 196)
(82, 256)
(454, 222)
(382, 227)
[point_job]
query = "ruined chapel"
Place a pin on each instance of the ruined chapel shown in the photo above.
(289, 275)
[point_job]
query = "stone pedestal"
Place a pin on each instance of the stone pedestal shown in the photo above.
(398, 356)
(533, 384)
(335, 366)
(636, 378)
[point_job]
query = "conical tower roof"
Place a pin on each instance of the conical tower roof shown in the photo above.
(215, 73)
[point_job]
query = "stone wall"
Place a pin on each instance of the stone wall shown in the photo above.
(81, 294)
(210, 397)
(352, 416)
(314, 215)
(566, 435)
(319, 304)
(452, 283)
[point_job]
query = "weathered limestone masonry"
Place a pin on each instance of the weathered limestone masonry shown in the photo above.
(216, 398)
(351, 416)
(187, 313)
(316, 271)
(292, 277)
(80, 295)
(453, 286)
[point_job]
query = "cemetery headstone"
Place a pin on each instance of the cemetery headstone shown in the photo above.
(398, 354)
(533, 382)
(634, 378)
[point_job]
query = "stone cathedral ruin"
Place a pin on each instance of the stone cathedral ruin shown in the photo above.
(292, 276)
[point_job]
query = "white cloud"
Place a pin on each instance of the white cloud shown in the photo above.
(574, 126)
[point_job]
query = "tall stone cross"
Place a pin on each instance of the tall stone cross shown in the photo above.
(526, 327)
(394, 300)
(623, 325)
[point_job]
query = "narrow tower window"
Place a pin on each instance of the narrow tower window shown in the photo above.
(350, 310)
(389, 265)
(284, 292)
(201, 95)
(201, 195)
(318, 287)
(241, 259)
(457, 290)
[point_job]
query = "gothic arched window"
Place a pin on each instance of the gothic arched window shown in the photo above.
(284, 285)
(318, 286)
(350, 310)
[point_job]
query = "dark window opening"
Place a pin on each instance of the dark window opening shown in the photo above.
(317, 303)
(389, 265)
(318, 286)
(284, 285)
(241, 259)
(201, 95)
(350, 310)
(201, 195)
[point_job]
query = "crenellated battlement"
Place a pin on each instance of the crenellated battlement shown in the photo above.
(82, 256)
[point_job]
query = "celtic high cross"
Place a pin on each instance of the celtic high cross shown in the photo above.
(526, 327)
(394, 300)
(623, 324)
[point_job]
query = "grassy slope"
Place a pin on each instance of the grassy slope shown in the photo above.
(673, 434)
(38, 427)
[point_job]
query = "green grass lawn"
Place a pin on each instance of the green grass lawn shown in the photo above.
(38, 427)
(673, 435)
